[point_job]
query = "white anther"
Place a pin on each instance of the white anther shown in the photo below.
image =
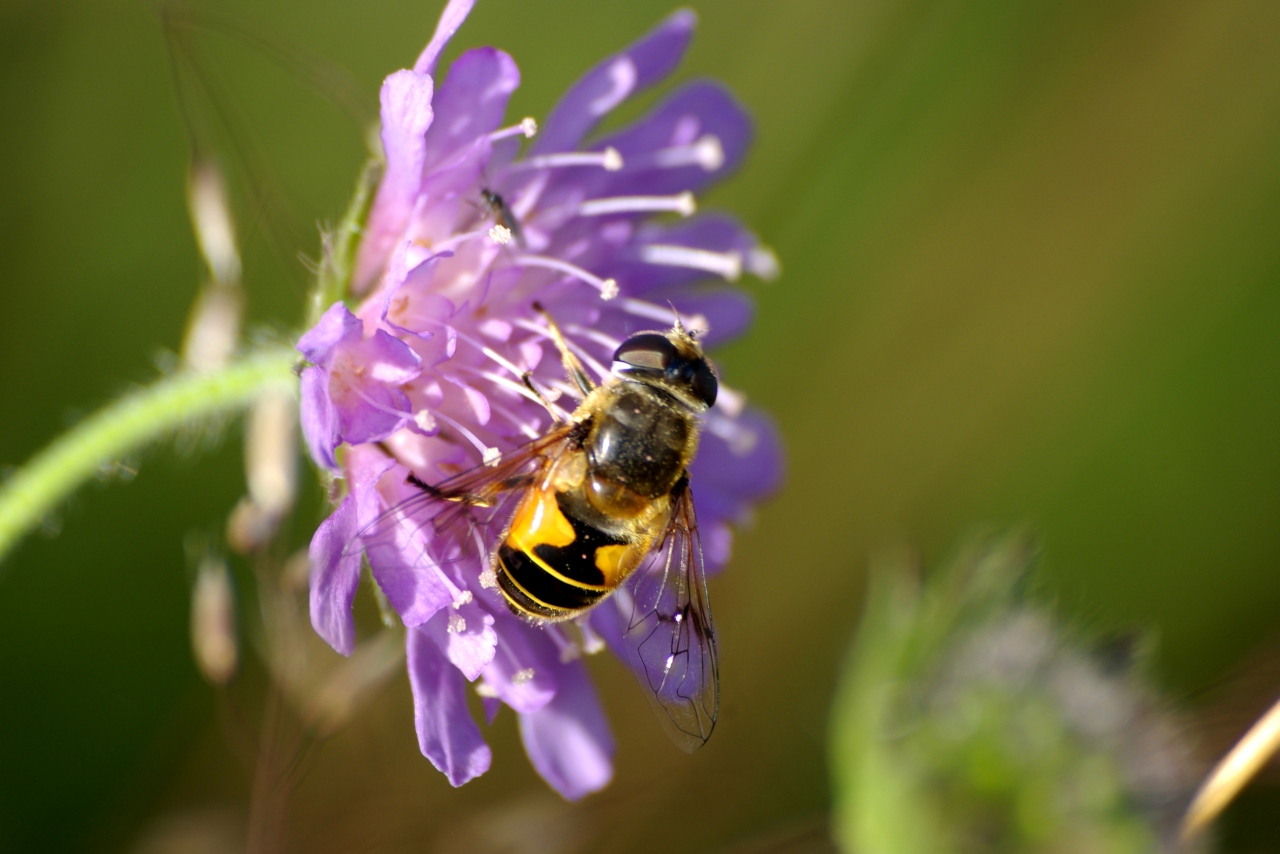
(707, 152)
(610, 159)
(488, 579)
(762, 262)
(728, 265)
(500, 234)
(463, 597)
(425, 422)
(608, 288)
(484, 689)
(457, 624)
(527, 128)
(520, 677)
(486, 453)
(682, 203)
(592, 643)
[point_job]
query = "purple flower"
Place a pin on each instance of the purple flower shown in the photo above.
(463, 237)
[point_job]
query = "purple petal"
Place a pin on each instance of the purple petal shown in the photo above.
(696, 110)
(361, 386)
(447, 735)
(568, 740)
(739, 463)
(471, 101)
(335, 576)
(372, 415)
(466, 636)
(605, 621)
(319, 418)
(389, 359)
(713, 232)
(406, 115)
(450, 20)
(406, 572)
(335, 325)
(614, 80)
(523, 676)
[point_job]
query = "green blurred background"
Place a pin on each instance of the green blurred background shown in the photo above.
(1031, 259)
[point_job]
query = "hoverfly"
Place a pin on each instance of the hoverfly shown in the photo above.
(597, 508)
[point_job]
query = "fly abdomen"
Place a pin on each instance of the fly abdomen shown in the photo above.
(554, 571)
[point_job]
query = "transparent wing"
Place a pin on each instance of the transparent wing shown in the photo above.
(461, 516)
(667, 631)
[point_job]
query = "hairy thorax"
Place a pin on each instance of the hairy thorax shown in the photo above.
(638, 447)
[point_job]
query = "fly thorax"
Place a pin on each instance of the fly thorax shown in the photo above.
(639, 443)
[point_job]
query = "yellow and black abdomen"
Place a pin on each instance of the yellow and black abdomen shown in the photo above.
(552, 566)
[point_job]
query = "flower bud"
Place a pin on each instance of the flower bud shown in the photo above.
(213, 622)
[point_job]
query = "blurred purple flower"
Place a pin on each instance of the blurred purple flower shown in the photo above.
(463, 237)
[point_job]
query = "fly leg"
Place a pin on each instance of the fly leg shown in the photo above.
(572, 366)
(527, 379)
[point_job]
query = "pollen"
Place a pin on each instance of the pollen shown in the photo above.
(608, 289)
(464, 597)
(457, 624)
(491, 456)
(521, 677)
(529, 127)
(500, 235)
(489, 579)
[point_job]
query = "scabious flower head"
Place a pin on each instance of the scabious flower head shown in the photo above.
(970, 719)
(464, 235)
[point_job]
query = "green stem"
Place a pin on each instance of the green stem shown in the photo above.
(128, 424)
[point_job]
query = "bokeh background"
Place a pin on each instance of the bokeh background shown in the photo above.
(1031, 258)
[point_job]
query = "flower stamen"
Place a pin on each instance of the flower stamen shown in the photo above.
(595, 335)
(610, 159)
(608, 288)
(525, 323)
(762, 262)
(682, 203)
(518, 388)
(527, 127)
(663, 314)
(706, 152)
(489, 454)
(727, 265)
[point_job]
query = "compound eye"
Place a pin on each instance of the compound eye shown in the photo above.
(704, 384)
(648, 351)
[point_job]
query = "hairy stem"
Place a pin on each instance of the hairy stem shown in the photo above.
(126, 425)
